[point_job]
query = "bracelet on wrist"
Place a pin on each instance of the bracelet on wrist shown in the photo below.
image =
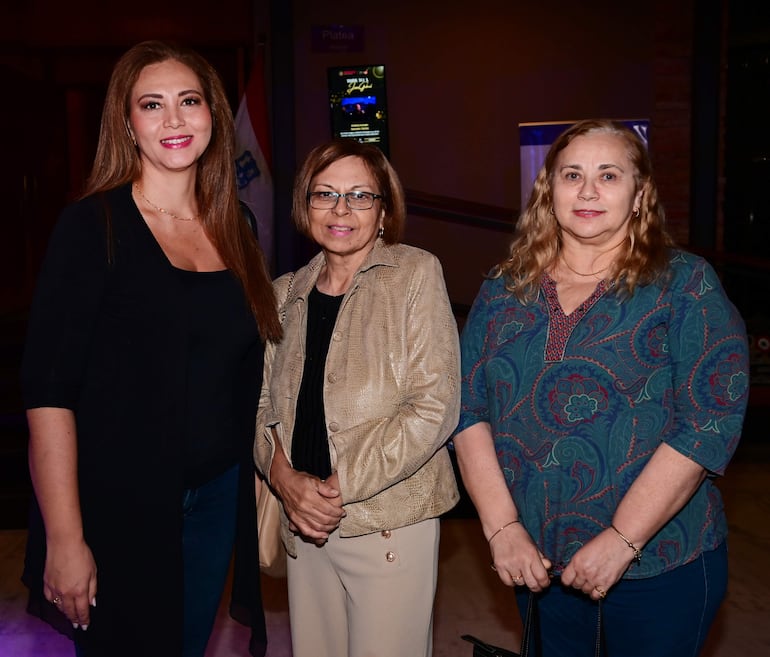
(496, 532)
(637, 551)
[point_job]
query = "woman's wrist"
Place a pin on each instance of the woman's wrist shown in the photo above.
(498, 530)
(637, 550)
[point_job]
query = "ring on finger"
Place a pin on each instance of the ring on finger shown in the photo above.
(602, 593)
(517, 578)
(56, 600)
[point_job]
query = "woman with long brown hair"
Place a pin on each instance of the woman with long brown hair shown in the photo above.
(141, 375)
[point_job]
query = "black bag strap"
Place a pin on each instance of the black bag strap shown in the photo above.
(601, 648)
(531, 644)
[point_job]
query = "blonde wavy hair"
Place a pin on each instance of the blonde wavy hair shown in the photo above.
(537, 243)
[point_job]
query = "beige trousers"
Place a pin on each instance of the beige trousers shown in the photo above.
(365, 596)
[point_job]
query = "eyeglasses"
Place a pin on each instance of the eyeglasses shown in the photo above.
(354, 200)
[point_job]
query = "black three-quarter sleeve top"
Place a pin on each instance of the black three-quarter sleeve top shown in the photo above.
(116, 334)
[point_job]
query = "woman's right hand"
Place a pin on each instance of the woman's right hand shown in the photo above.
(517, 560)
(515, 556)
(69, 580)
(313, 506)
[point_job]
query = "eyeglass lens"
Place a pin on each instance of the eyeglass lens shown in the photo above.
(354, 200)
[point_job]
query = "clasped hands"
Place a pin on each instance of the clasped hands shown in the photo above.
(593, 569)
(313, 506)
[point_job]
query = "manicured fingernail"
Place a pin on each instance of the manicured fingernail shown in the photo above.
(93, 601)
(84, 627)
(75, 626)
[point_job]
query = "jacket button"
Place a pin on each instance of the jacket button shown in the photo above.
(390, 556)
(386, 533)
(337, 336)
(332, 377)
(333, 426)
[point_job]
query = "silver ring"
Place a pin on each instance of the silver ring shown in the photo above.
(56, 600)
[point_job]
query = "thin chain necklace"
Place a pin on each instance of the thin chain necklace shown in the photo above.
(575, 271)
(159, 209)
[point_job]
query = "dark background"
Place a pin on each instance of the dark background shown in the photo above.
(700, 71)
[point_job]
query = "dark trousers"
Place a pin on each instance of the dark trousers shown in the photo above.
(208, 538)
(207, 545)
(664, 616)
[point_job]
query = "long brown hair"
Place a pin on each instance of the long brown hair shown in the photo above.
(117, 162)
(385, 177)
(537, 238)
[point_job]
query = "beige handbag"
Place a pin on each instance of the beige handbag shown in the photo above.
(272, 554)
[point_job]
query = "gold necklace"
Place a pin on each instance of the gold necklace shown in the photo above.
(575, 271)
(159, 209)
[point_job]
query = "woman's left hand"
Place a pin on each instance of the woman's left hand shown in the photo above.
(330, 490)
(663, 487)
(598, 565)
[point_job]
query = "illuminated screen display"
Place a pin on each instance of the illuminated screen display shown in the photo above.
(358, 104)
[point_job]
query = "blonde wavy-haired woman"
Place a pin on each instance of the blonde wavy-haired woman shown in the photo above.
(605, 380)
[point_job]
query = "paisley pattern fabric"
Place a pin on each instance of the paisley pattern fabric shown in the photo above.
(578, 403)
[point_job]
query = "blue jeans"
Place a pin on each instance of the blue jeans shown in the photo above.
(665, 616)
(207, 543)
(208, 536)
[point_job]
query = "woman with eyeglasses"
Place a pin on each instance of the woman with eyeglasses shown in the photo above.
(359, 399)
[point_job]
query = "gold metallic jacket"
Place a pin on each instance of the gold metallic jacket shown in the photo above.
(391, 388)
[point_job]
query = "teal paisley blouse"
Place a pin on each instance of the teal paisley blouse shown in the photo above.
(578, 403)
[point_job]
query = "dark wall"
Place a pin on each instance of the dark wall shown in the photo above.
(461, 78)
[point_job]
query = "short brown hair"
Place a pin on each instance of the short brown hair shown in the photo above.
(385, 177)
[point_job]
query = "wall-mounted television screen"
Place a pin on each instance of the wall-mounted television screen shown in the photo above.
(358, 104)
